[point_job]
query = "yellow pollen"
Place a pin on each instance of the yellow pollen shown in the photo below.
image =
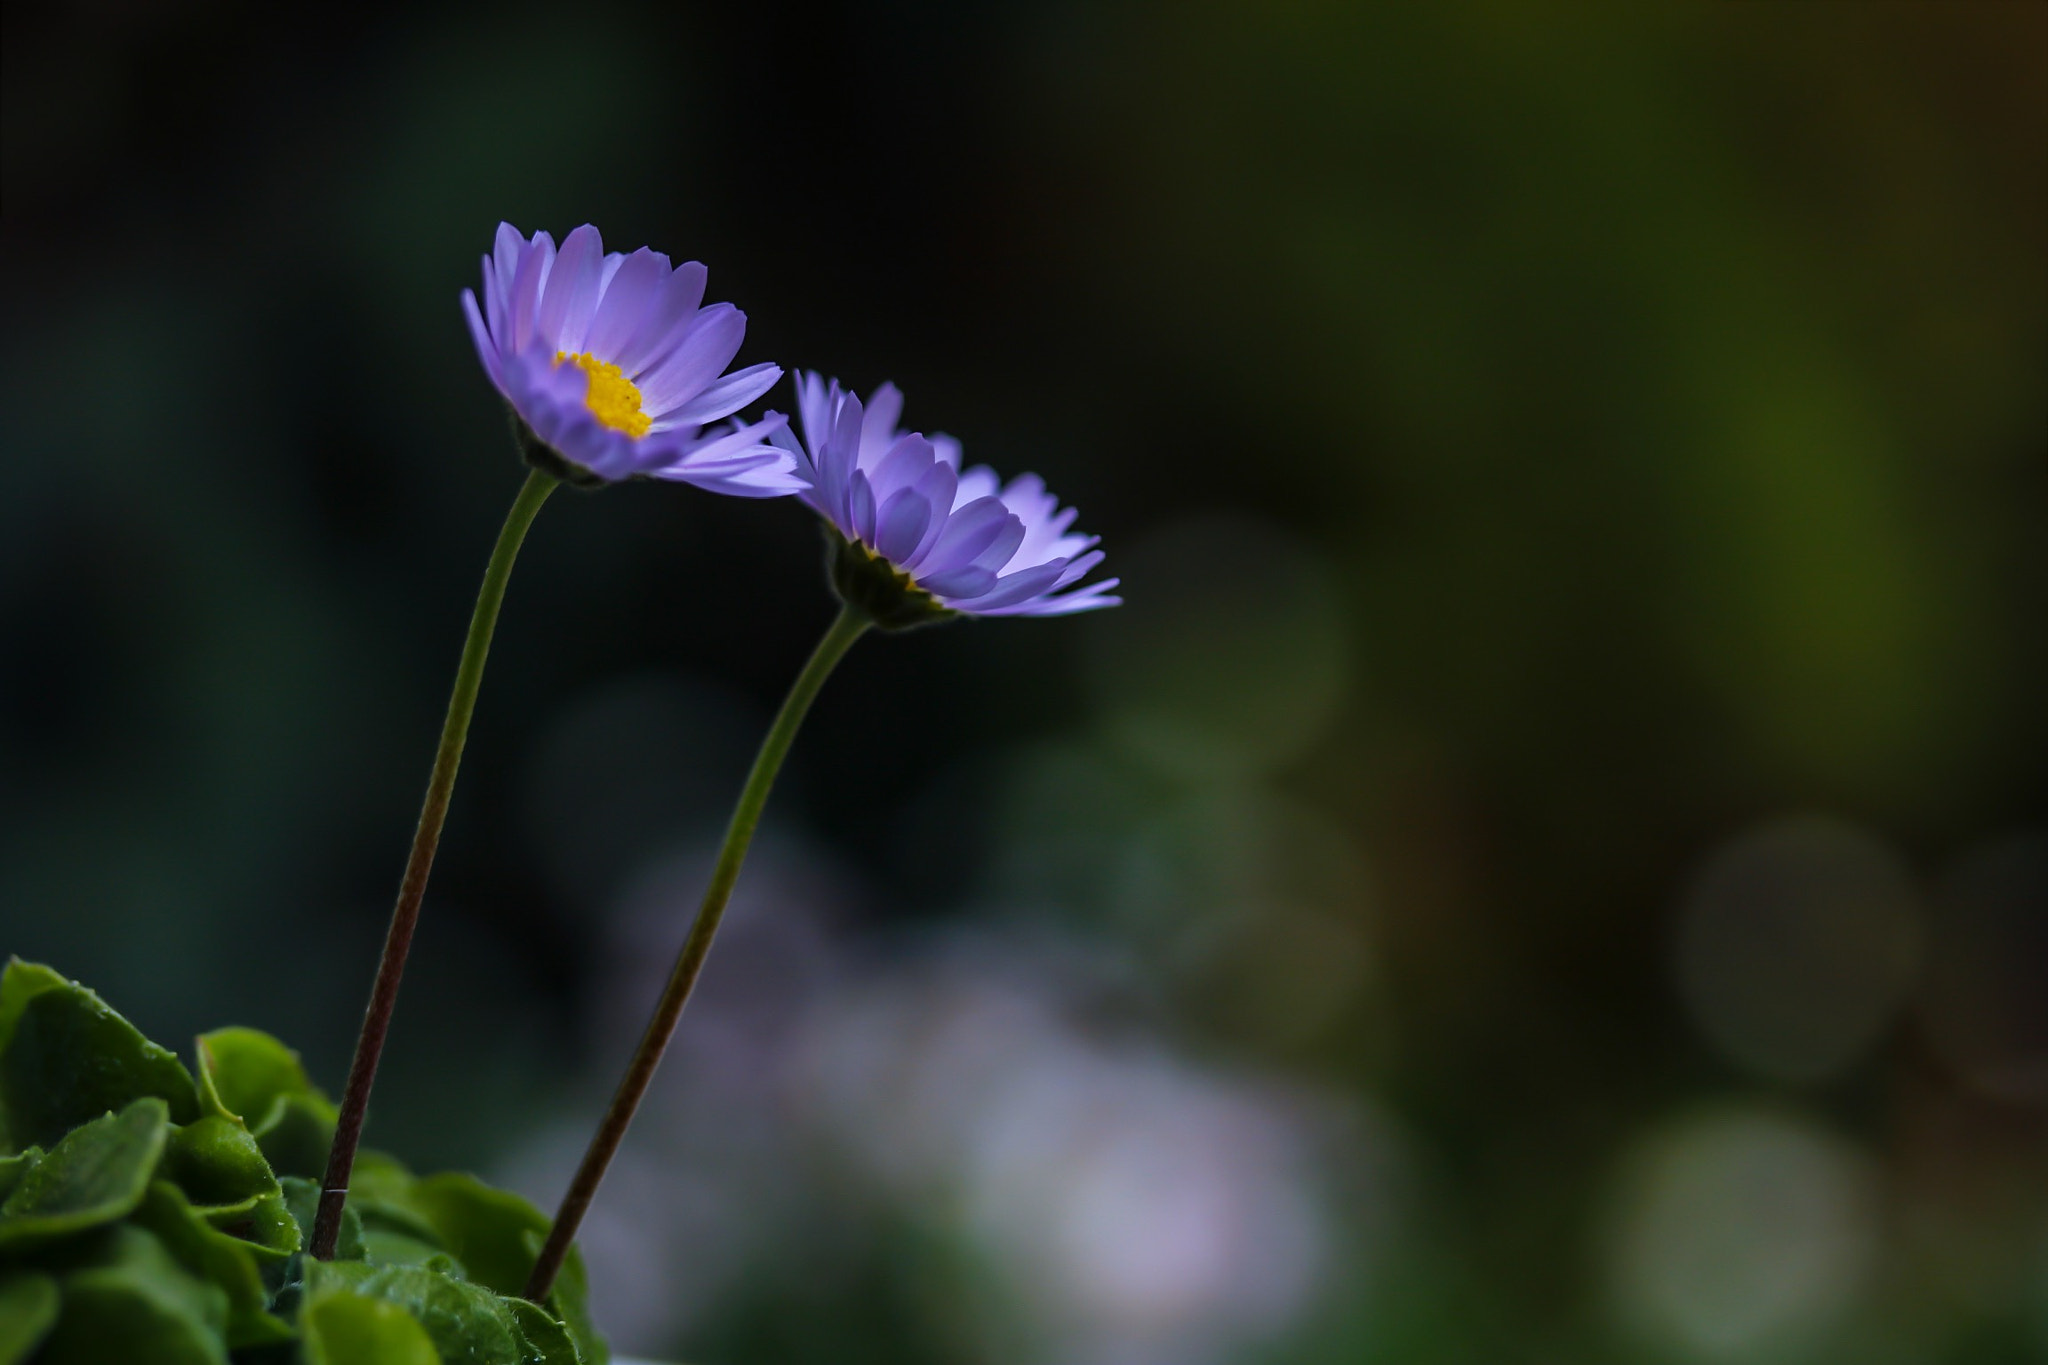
(613, 399)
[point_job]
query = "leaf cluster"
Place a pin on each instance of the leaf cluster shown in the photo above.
(151, 1212)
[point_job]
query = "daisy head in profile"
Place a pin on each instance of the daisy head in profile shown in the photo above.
(615, 369)
(918, 538)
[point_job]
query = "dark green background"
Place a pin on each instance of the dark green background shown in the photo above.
(1542, 443)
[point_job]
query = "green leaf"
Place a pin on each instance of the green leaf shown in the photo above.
(379, 1175)
(383, 1246)
(222, 1172)
(468, 1325)
(485, 1228)
(262, 1221)
(295, 1135)
(251, 1075)
(28, 1307)
(133, 1302)
(13, 1168)
(302, 1200)
(547, 1341)
(214, 1256)
(216, 1161)
(571, 1301)
(66, 1058)
(96, 1175)
(350, 1329)
(250, 1071)
(396, 1231)
(497, 1236)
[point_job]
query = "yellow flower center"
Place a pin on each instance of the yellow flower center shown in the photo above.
(613, 399)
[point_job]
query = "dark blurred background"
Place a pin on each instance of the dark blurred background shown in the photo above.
(1550, 865)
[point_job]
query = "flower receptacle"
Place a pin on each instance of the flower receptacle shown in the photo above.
(538, 454)
(878, 589)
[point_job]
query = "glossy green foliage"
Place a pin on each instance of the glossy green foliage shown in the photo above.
(466, 1322)
(124, 1296)
(259, 1080)
(66, 1058)
(345, 1328)
(232, 1263)
(167, 1224)
(95, 1175)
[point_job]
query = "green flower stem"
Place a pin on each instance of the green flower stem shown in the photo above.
(746, 815)
(405, 916)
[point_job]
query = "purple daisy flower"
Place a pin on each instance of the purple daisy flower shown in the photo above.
(922, 537)
(614, 371)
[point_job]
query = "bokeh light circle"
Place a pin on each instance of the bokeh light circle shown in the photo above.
(1739, 1233)
(1796, 944)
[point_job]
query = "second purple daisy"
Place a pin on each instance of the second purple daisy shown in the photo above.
(923, 538)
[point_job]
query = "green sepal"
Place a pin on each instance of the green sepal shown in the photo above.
(548, 1341)
(66, 1058)
(538, 454)
(128, 1299)
(464, 1321)
(28, 1309)
(219, 1259)
(343, 1328)
(96, 1175)
(877, 589)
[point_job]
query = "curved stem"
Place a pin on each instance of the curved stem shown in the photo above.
(604, 1144)
(362, 1072)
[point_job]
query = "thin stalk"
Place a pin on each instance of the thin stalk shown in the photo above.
(746, 815)
(405, 916)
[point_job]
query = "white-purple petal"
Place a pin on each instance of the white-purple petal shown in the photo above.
(668, 319)
(629, 311)
(878, 429)
(996, 555)
(708, 344)
(624, 304)
(1013, 588)
(486, 349)
(901, 523)
(724, 397)
(976, 545)
(969, 531)
(936, 487)
(975, 484)
(523, 294)
(961, 584)
(903, 465)
(571, 295)
(860, 506)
